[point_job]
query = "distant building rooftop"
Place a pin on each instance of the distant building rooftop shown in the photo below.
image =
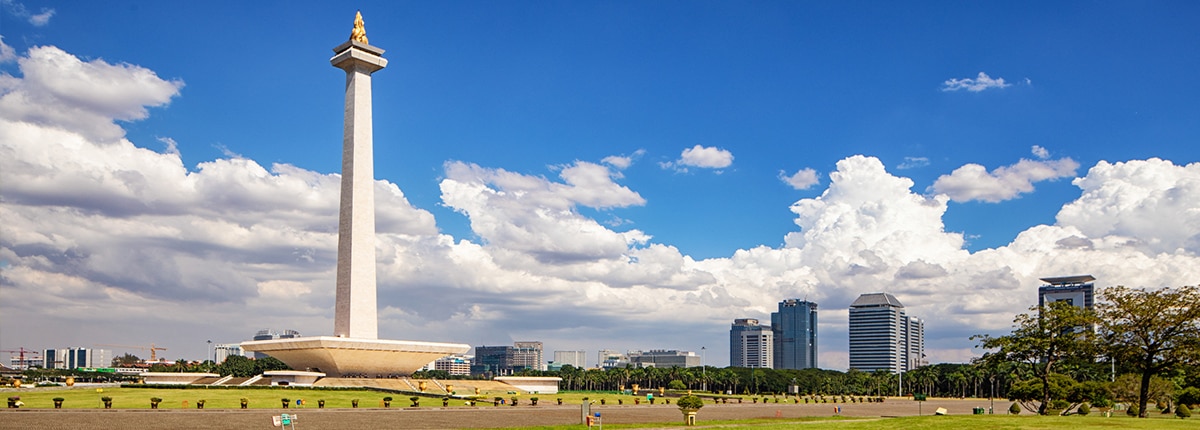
(1064, 281)
(876, 299)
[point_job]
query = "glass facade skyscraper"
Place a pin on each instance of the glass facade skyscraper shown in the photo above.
(794, 328)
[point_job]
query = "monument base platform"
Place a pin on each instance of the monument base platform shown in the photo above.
(353, 357)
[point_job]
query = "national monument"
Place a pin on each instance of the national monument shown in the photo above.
(355, 348)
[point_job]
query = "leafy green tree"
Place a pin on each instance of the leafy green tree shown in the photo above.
(125, 360)
(270, 363)
(1127, 388)
(1152, 332)
(1032, 390)
(1189, 396)
(1044, 338)
(238, 366)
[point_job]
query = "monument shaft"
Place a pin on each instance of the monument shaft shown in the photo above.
(355, 309)
(355, 349)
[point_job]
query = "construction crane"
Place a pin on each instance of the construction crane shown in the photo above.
(21, 354)
(153, 349)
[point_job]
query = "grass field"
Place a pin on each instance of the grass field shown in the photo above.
(973, 422)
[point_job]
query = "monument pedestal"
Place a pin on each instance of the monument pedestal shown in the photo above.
(349, 357)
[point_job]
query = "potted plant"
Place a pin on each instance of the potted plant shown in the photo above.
(496, 400)
(560, 400)
(602, 401)
(244, 402)
(514, 401)
(154, 401)
(12, 401)
(416, 401)
(286, 401)
(445, 401)
(354, 403)
(58, 402)
(320, 404)
(200, 404)
(533, 401)
(689, 405)
(107, 402)
(387, 401)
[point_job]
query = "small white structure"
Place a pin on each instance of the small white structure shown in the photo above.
(293, 377)
(174, 378)
(532, 384)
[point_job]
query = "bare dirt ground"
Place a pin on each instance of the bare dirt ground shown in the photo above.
(454, 418)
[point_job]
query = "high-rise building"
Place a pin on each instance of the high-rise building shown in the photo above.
(528, 354)
(453, 364)
(914, 342)
(74, 358)
(609, 359)
(504, 360)
(1077, 290)
(794, 328)
(225, 350)
(751, 344)
(883, 337)
(664, 358)
(577, 359)
(268, 334)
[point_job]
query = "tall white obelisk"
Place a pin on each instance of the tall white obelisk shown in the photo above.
(355, 311)
(355, 348)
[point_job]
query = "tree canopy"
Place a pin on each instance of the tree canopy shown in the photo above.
(1042, 339)
(1151, 331)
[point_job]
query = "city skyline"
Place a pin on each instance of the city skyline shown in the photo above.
(589, 174)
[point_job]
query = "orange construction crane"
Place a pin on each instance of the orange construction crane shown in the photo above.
(153, 349)
(21, 354)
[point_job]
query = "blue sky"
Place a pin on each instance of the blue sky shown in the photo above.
(682, 118)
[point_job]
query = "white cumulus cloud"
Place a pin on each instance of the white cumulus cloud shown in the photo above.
(913, 163)
(700, 156)
(59, 89)
(979, 83)
(121, 239)
(974, 182)
(803, 179)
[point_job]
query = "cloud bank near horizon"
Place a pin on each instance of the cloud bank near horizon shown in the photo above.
(117, 238)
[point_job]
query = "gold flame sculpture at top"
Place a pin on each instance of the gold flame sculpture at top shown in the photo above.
(359, 34)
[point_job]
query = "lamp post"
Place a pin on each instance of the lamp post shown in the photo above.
(703, 371)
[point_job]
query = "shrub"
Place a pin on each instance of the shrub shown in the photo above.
(1132, 411)
(1189, 396)
(1102, 403)
(1182, 411)
(1014, 409)
(689, 402)
(1084, 409)
(416, 401)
